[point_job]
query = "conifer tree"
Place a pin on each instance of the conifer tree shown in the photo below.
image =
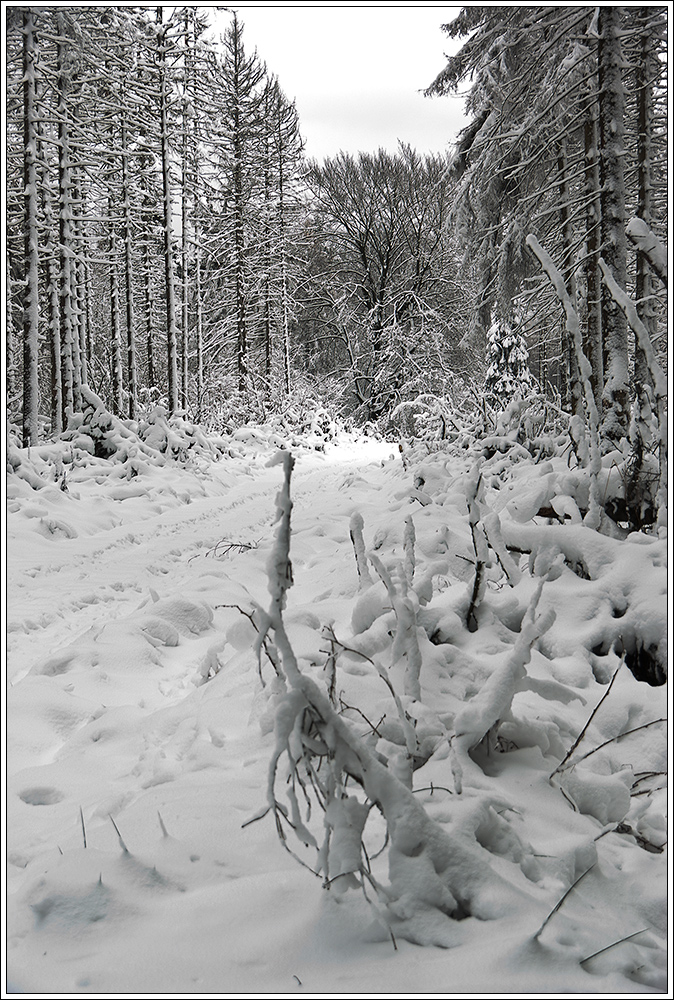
(508, 376)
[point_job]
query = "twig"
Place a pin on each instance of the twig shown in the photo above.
(561, 901)
(254, 819)
(628, 937)
(649, 791)
(227, 548)
(263, 645)
(592, 715)
(346, 649)
(433, 788)
(613, 740)
(344, 707)
(84, 832)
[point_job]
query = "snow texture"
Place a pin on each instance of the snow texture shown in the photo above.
(470, 777)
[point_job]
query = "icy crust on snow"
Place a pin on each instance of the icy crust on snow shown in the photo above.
(136, 695)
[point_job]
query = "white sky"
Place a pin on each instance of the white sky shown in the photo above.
(355, 72)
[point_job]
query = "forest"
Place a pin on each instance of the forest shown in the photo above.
(167, 243)
(419, 401)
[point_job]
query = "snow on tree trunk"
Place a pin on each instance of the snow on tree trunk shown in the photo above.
(76, 297)
(616, 399)
(66, 319)
(643, 289)
(148, 294)
(283, 251)
(128, 271)
(167, 207)
(115, 338)
(31, 254)
(593, 336)
(649, 246)
(572, 387)
(52, 286)
(592, 518)
(656, 377)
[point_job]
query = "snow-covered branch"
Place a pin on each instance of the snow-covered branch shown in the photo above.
(647, 243)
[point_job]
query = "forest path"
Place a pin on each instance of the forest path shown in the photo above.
(122, 596)
(72, 566)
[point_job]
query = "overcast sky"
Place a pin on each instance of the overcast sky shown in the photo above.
(355, 73)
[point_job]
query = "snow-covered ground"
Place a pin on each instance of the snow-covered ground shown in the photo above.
(141, 729)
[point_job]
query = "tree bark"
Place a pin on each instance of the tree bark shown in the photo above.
(128, 271)
(644, 74)
(66, 322)
(572, 387)
(593, 339)
(115, 337)
(31, 254)
(169, 273)
(616, 399)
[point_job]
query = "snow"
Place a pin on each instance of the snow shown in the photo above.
(647, 242)
(146, 741)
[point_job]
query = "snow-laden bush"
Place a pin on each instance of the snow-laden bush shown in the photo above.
(176, 437)
(436, 877)
(156, 435)
(342, 786)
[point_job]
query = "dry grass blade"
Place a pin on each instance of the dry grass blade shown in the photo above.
(608, 947)
(592, 715)
(559, 905)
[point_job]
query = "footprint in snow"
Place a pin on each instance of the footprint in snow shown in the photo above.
(41, 796)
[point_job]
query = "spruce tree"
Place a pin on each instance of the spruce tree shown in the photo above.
(508, 376)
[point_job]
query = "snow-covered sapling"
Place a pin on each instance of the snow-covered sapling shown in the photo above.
(358, 542)
(436, 876)
(481, 553)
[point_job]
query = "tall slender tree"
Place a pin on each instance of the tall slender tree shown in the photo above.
(31, 254)
(616, 408)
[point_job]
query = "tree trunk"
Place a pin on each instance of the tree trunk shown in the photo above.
(149, 316)
(77, 279)
(52, 297)
(239, 291)
(644, 75)
(169, 274)
(616, 399)
(31, 254)
(66, 322)
(184, 266)
(128, 271)
(284, 260)
(116, 347)
(572, 390)
(593, 338)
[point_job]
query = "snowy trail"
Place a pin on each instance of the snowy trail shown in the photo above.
(140, 738)
(103, 571)
(105, 722)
